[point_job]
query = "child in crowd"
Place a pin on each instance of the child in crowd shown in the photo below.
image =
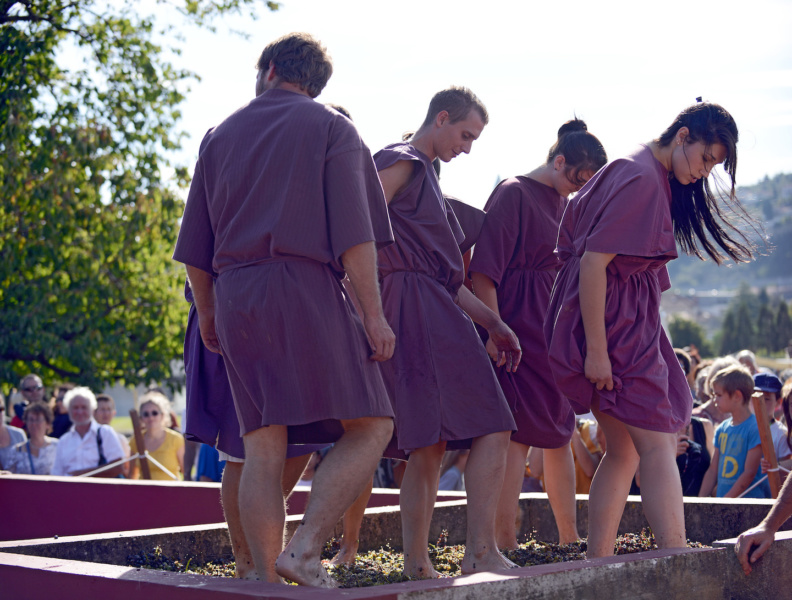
(736, 464)
(770, 386)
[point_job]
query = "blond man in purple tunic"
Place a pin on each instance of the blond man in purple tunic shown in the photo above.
(284, 201)
(442, 385)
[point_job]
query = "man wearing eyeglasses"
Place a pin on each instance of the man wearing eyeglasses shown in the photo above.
(32, 389)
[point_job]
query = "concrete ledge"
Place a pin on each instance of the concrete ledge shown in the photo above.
(706, 519)
(116, 505)
(705, 574)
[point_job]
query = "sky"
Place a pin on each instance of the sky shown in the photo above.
(626, 67)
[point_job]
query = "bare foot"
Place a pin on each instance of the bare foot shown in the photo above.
(346, 556)
(490, 559)
(303, 572)
(246, 570)
(421, 571)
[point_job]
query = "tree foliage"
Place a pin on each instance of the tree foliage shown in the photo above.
(684, 332)
(783, 327)
(90, 198)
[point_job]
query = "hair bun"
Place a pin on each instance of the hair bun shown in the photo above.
(572, 126)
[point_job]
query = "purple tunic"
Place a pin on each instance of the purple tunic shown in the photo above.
(515, 250)
(211, 417)
(440, 378)
(625, 209)
(282, 189)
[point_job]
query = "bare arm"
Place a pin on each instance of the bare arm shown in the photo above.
(593, 286)
(360, 263)
(395, 178)
(487, 292)
(744, 481)
(505, 347)
(709, 432)
(202, 286)
(710, 477)
(762, 536)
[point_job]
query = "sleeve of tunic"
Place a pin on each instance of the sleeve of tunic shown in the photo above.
(500, 233)
(196, 243)
(469, 218)
(626, 209)
(356, 207)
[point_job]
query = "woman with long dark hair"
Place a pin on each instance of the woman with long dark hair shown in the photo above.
(607, 348)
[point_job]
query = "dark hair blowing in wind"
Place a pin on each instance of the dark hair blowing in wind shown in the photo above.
(700, 221)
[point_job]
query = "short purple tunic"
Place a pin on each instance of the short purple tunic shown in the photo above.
(515, 250)
(282, 189)
(211, 417)
(440, 378)
(625, 209)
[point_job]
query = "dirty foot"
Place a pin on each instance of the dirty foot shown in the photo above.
(421, 571)
(346, 556)
(303, 572)
(488, 560)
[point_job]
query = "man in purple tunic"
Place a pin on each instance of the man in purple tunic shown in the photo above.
(210, 418)
(285, 200)
(442, 385)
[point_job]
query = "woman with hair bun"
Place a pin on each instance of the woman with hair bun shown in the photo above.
(513, 269)
(608, 351)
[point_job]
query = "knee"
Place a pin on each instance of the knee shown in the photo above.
(383, 429)
(377, 428)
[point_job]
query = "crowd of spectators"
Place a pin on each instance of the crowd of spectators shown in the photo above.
(71, 433)
(709, 442)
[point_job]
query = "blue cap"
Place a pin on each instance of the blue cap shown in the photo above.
(767, 382)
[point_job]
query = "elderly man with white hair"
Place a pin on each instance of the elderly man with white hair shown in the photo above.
(87, 445)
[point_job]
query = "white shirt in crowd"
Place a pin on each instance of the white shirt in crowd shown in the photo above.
(779, 433)
(76, 453)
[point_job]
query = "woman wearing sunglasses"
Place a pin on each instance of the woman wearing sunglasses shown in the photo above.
(164, 445)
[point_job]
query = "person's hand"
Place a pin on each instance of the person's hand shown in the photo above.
(206, 323)
(503, 346)
(597, 369)
(765, 464)
(683, 443)
(381, 338)
(760, 537)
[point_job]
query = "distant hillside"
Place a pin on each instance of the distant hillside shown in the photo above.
(770, 202)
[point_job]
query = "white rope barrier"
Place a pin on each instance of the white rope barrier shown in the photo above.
(144, 456)
(779, 468)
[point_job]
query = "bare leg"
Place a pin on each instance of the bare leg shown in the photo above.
(229, 495)
(345, 471)
(662, 492)
(416, 499)
(610, 486)
(508, 503)
(261, 497)
(292, 471)
(559, 478)
(353, 520)
(484, 482)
